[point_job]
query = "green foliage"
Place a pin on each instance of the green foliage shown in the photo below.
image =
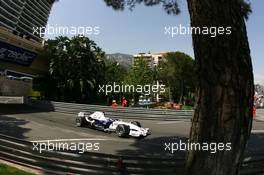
(77, 66)
(178, 73)
(170, 6)
(140, 74)
(114, 72)
(7, 170)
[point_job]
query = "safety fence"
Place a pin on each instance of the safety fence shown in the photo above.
(122, 113)
(53, 162)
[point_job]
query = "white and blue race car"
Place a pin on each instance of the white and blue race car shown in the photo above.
(97, 120)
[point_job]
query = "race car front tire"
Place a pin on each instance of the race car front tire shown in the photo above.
(80, 121)
(122, 130)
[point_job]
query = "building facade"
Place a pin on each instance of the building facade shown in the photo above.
(152, 59)
(20, 45)
(21, 17)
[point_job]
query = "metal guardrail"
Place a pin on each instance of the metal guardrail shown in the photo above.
(123, 113)
(52, 162)
(253, 164)
(21, 152)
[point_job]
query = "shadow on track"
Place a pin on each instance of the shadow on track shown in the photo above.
(13, 127)
(6, 109)
(255, 144)
(155, 147)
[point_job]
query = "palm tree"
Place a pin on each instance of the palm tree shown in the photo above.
(76, 64)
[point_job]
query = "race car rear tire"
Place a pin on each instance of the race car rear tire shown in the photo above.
(80, 121)
(136, 123)
(122, 130)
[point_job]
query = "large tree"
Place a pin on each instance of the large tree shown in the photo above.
(114, 73)
(177, 73)
(77, 66)
(139, 74)
(224, 96)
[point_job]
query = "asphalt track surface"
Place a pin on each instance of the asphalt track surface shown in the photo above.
(33, 125)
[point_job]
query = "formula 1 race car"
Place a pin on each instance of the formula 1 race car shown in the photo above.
(97, 120)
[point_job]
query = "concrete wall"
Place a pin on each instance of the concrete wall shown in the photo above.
(14, 87)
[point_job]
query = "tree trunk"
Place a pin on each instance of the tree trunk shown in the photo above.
(224, 96)
(182, 94)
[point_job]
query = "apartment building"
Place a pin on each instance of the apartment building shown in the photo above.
(153, 59)
(22, 16)
(20, 45)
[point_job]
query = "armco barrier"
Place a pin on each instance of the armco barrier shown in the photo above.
(21, 152)
(52, 162)
(123, 113)
(253, 165)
